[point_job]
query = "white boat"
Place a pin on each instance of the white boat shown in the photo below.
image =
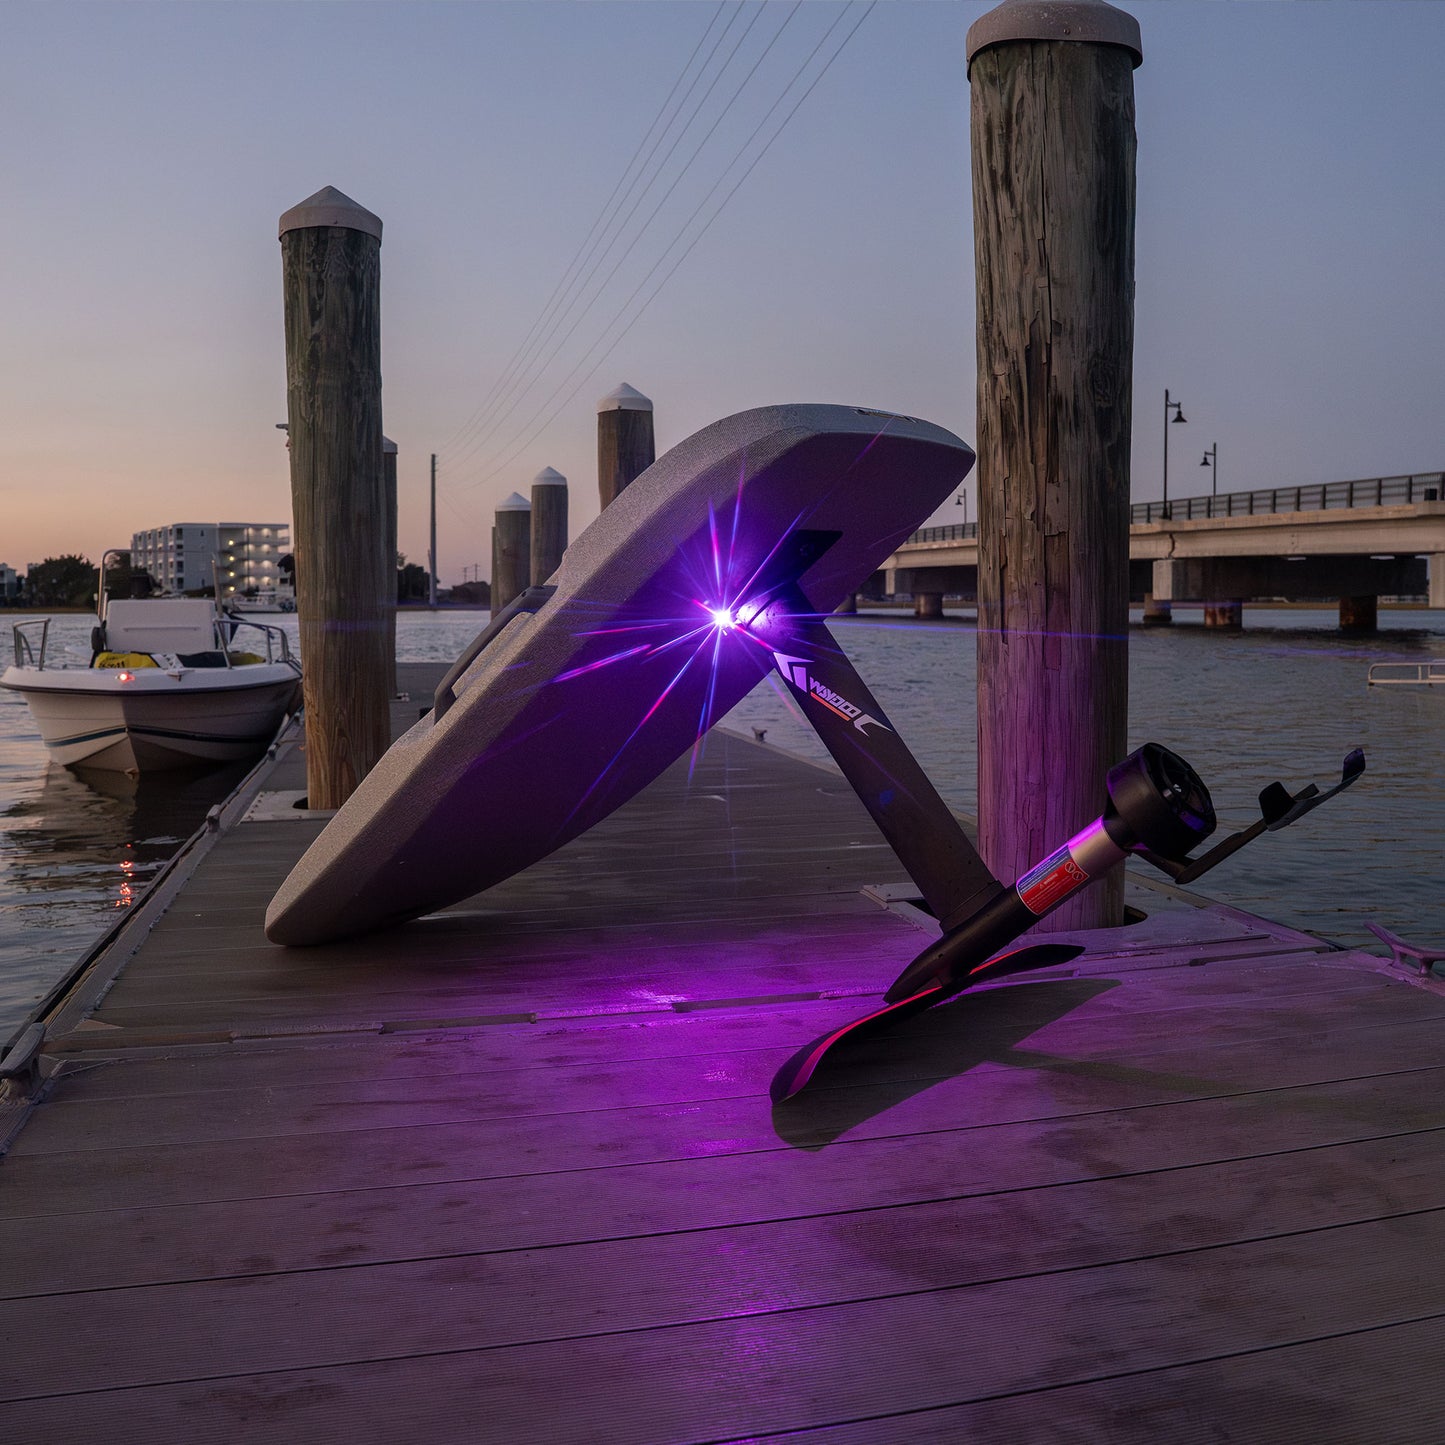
(168, 686)
(267, 599)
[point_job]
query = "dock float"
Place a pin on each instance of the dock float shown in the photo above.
(511, 1174)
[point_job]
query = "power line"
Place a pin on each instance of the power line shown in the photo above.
(666, 196)
(603, 218)
(513, 394)
(612, 344)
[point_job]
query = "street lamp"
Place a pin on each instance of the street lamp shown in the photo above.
(961, 500)
(1211, 460)
(1177, 407)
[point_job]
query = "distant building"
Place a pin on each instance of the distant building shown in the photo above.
(9, 582)
(186, 556)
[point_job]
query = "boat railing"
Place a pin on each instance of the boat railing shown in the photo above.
(278, 644)
(1384, 674)
(27, 652)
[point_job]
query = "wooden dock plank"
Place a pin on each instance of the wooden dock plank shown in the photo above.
(792, 1368)
(213, 1326)
(187, 1211)
(334, 1068)
(491, 1090)
(1344, 1390)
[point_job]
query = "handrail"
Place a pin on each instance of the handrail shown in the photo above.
(1409, 673)
(1320, 497)
(25, 653)
(274, 635)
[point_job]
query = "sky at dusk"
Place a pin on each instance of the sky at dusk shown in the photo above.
(807, 237)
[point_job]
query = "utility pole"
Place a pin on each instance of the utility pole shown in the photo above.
(432, 555)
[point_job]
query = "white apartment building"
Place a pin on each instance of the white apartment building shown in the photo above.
(185, 556)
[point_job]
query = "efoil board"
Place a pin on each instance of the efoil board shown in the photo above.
(572, 709)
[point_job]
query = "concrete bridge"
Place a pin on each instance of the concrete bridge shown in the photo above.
(1351, 542)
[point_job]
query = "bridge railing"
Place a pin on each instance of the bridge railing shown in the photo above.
(1323, 496)
(956, 533)
(1370, 492)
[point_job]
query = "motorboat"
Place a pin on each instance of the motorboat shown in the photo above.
(172, 683)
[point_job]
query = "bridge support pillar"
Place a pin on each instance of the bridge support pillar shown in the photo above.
(1358, 614)
(928, 604)
(1158, 611)
(1228, 615)
(1437, 580)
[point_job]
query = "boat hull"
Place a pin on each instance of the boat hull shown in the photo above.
(151, 720)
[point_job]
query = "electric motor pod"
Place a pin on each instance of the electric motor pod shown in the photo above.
(1157, 799)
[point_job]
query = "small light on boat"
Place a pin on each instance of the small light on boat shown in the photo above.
(125, 677)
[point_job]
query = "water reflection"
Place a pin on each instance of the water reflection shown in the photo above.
(103, 832)
(77, 847)
(76, 850)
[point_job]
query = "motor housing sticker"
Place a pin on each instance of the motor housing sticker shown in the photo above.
(1048, 884)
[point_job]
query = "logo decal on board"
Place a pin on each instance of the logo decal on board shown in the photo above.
(795, 672)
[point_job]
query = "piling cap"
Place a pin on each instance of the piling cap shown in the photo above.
(329, 207)
(549, 477)
(624, 398)
(387, 445)
(515, 503)
(1091, 21)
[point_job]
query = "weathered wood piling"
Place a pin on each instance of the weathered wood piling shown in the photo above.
(625, 442)
(331, 269)
(388, 483)
(549, 523)
(1053, 206)
(511, 551)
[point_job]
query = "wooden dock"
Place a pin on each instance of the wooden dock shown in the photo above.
(510, 1174)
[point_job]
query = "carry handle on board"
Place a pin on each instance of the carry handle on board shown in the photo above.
(531, 600)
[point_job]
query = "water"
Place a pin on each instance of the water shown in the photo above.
(76, 848)
(1285, 698)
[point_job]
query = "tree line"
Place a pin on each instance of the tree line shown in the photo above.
(74, 581)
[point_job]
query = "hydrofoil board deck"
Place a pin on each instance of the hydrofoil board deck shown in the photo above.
(580, 698)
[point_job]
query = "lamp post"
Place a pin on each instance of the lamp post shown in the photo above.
(961, 500)
(1177, 407)
(1211, 460)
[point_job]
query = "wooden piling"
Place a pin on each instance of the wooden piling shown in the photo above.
(625, 442)
(331, 269)
(1053, 203)
(1359, 613)
(512, 551)
(1226, 616)
(928, 604)
(1158, 611)
(388, 484)
(549, 523)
